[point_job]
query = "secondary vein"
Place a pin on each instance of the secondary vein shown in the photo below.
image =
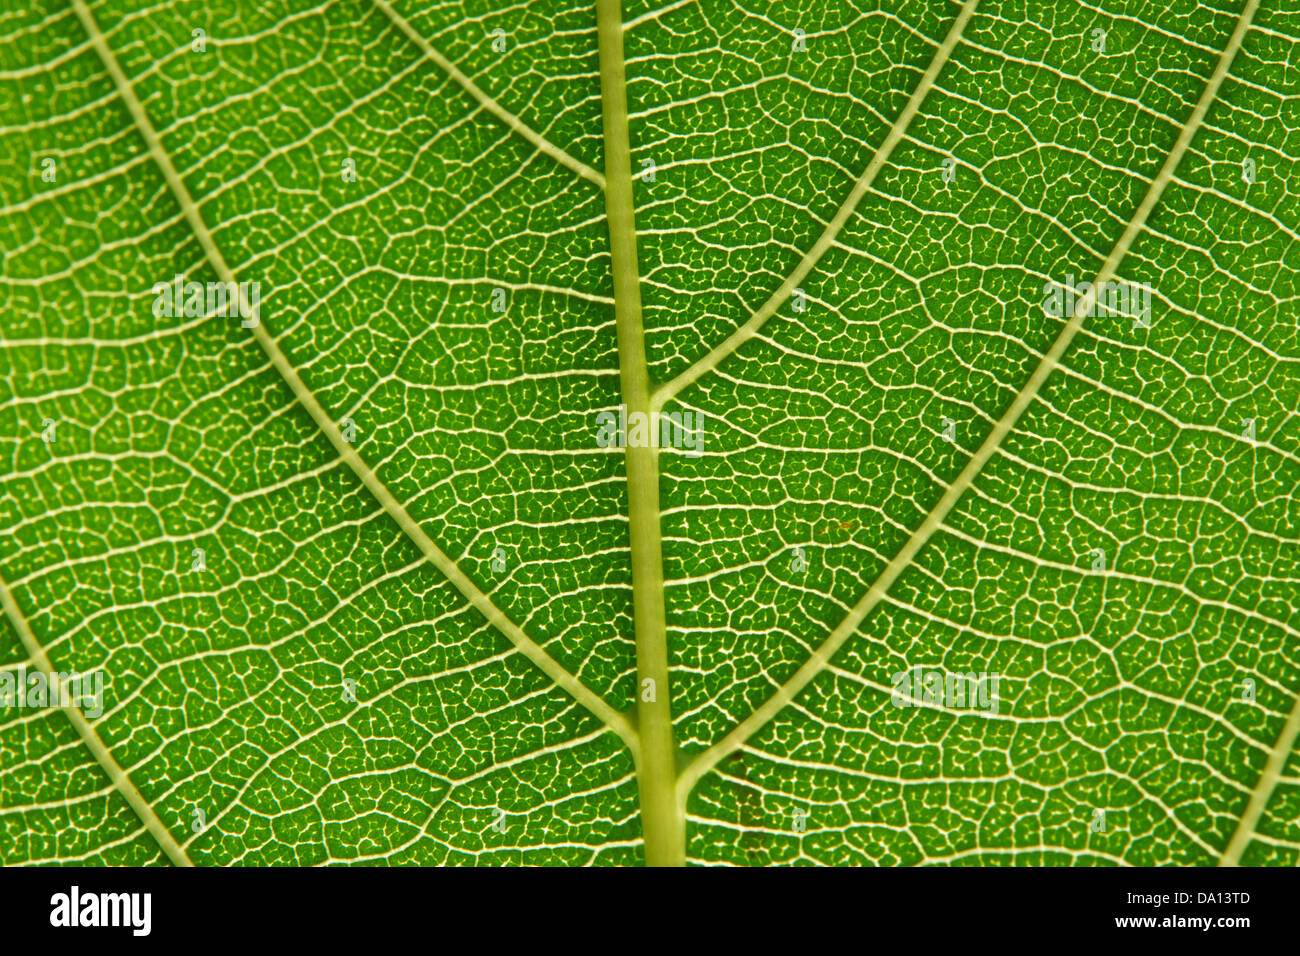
(121, 780)
(1264, 787)
(516, 125)
(480, 601)
(666, 392)
(706, 760)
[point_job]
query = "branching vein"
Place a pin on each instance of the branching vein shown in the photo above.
(706, 760)
(166, 842)
(1264, 787)
(665, 393)
(488, 103)
(526, 646)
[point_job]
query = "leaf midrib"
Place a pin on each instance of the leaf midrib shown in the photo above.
(561, 677)
(663, 826)
(642, 468)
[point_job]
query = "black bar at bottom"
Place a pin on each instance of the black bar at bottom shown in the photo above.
(344, 907)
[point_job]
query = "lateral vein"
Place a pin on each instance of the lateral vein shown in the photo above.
(1264, 787)
(706, 760)
(515, 124)
(666, 392)
(121, 780)
(480, 601)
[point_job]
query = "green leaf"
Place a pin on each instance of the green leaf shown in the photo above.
(941, 566)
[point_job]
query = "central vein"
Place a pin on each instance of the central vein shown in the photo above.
(662, 824)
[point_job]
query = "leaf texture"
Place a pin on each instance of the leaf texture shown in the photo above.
(433, 620)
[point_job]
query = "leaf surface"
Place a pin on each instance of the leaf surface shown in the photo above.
(426, 601)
